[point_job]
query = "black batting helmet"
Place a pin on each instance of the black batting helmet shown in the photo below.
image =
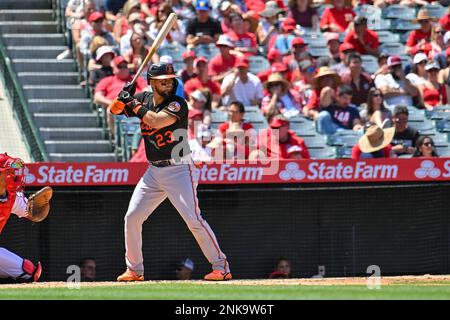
(161, 70)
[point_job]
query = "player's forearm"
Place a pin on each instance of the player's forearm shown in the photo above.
(101, 100)
(157, 121)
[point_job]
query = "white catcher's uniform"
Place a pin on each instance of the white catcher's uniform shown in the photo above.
(165, 178)
(11, 265)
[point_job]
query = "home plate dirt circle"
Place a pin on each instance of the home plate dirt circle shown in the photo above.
(413, 280)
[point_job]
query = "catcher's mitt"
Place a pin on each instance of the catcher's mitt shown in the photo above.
(39, 204)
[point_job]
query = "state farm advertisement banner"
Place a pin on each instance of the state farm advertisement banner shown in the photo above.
(299, 171)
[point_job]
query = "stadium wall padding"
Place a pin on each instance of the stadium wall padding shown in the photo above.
(404, 229)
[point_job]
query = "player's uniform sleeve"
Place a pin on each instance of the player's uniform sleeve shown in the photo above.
(20, 205)
(128, 110)
(177, 108)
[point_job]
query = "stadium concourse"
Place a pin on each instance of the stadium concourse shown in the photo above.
(329, 70)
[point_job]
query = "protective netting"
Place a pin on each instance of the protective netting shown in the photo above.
(402, 229)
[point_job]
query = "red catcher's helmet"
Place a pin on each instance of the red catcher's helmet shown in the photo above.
(14, 168)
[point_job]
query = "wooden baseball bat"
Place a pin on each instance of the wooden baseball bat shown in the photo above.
(162, 34)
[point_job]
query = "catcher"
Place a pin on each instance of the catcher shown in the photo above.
(12, 200)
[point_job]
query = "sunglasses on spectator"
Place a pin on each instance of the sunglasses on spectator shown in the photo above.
(310, 70)
(376, 95)
(401, 120)
(99, 21)
(275, 84)
(428, 144)
(122, 66)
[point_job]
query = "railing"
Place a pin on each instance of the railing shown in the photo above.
(58, 14)
(20, 106)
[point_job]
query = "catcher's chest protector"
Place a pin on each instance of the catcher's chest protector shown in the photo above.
(6, 206)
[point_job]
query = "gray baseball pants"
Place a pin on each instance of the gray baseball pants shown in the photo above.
(177, 183)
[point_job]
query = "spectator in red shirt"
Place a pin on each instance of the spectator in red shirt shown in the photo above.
(298, 47)
(325, 84)
(364, 41)
(236, 136)
(283, 270)
(279, 127)
(251, 23)
(375, 143)
(277, 67)
(337, 18)
(108, 88)
(334, 56)
(221, 65)
(236, 113)
(274, 55)
(150, 7)
(303, 14)
(303, 79)
(358, 80)
(188, 72)
(420, 39)
(279, 99)
(226, 9)
(434, 93)
(202, 80)
(444, 21)
(244, 42)
(345, 49)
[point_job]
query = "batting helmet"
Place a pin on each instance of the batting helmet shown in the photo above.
(161, 70)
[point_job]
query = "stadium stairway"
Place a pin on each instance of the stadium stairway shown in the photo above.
(68, 125)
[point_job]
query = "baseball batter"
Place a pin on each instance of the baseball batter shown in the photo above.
(164, 120)
(12, 200)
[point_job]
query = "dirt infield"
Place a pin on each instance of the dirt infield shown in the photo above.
(425, 280)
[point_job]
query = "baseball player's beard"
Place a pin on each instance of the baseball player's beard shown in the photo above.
(164, 94)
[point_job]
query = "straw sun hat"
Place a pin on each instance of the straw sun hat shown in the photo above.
(325, 71)
(276, 77)
(376, 138)
(423, 14)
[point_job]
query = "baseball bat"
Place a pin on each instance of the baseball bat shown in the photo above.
(162, 34)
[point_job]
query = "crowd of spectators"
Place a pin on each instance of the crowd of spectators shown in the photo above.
(110, 39)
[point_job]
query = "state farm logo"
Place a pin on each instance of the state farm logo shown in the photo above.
(29, 177)
(292, 171)
(427, 169)
(78, 174)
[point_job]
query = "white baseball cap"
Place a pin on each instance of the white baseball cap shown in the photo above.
(198, 95)
(446, 37)
(225, 41)
(166, 59)
(225, 5)
(294, 148)
(102, 51)
(432, 65)
(419, 57)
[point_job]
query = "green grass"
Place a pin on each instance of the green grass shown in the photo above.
(154, 291)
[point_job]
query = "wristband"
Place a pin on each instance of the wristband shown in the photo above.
(141, 111)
